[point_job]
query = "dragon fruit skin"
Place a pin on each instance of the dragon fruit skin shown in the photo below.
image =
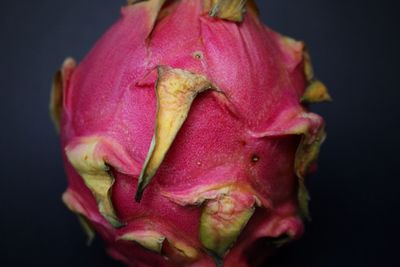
(200, 111)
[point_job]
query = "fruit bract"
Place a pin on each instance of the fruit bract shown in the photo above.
(187, 135)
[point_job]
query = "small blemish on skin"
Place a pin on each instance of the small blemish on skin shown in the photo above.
(198, 55)
(255, 158)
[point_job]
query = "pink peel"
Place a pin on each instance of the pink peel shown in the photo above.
(204, 119)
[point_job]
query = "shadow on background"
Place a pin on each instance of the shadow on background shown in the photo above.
(355, 200)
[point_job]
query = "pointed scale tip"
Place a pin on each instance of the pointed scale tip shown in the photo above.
(144, 180)
(139, 194)
(219, 262)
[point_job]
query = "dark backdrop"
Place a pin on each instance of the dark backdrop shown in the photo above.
(355, 196)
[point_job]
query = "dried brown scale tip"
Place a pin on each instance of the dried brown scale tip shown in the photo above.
(252, 6)
(87, 228)
(73, 205)
(226, 9)
(303, 198)
(132, 2)
(154, 7)
(56, 97)
(307, 153)
(308, 68)
(56, 100)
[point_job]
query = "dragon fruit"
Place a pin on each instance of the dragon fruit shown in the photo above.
(187, 135)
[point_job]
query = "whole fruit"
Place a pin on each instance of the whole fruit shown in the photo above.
(187, 135)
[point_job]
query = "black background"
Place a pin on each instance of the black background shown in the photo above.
(355, 195)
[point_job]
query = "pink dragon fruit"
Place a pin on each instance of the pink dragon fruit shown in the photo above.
(187, 134)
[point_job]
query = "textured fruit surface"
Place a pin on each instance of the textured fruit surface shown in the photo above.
(187, 135)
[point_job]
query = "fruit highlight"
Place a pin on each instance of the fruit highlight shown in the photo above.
(187, 134)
